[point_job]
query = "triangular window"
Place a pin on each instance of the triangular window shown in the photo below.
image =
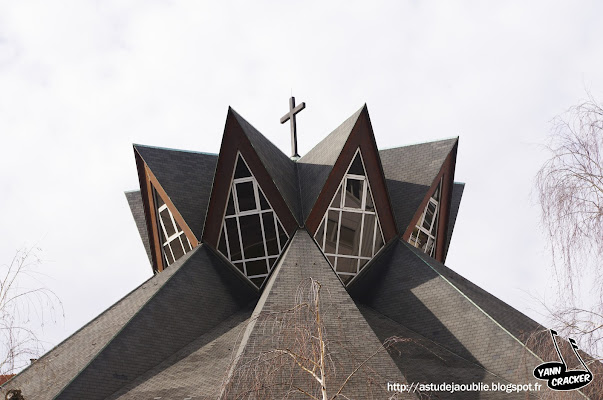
(251, 235)
(424, 235)
(174, 243)
(350, 233)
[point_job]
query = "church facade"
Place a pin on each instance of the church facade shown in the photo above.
(296, 277)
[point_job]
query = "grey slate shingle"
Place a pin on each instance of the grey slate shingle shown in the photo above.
(409, 172)
(135, 201)
(315, 166)
(404, 287)
(45, 378)
(280, 167)
(455, 203)
(342, 321)
(201, 294)
(187, 179)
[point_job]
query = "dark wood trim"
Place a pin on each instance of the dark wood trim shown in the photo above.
(148, 182)
(362, 137)
(149, 214)
(233, 141)
(446, 175)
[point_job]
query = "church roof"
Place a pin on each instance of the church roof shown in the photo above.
(207, 326)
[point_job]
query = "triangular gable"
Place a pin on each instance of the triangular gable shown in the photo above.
(410, 172)
(413, 173)
(360, 137)
(442, 184)
(182, 181)
(342, 321)
(235, 141)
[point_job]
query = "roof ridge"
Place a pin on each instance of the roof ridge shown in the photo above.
(182, 261)
(456, 138)
(173, 149)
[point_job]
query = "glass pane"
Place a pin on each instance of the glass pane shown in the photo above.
(378, 240)
(347, 264)
(356, 167)
(258, 281)
(331, 260)
(159, 200)
(257, 267)
(282, 235)
(336, 203)
(245, 196)
(241, 170)
(187, 246)
(429, 213)
(436, 194)
(349, 233)
(222, 243)
(331, 239)
(370, 206)
(368, 235)
(353, 193)
(167, 222)
(320, 234)
(233, 239)
(177, 249)
(251, 231)
(239, 266)
(230, 209)
(362, 263)
(263, 203)
(270, 233)
(168, 254)
(271, 262)
(346, 278)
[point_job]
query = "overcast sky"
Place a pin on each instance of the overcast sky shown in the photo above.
(80, 81)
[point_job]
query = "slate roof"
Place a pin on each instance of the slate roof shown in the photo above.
(194, 329)
(349, 338)
(315, 166)
(137, 207)
(186, 177)
(412, 289)
(455, 202)
(409, 172)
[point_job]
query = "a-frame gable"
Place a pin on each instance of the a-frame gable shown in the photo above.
(360, 137)
(153, 195)
(444, 183)
(234, 142)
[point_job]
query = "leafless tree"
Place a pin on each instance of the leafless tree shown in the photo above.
(25, 305)
(302, 357)
(570, 192)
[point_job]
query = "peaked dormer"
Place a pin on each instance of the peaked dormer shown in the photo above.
(249, 219)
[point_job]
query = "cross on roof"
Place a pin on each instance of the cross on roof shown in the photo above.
(291, 116)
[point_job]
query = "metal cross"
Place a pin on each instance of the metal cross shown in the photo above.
(291, 116)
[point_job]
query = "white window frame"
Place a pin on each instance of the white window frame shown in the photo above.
(257, 211)
(173, 237)
(366, 189)
(432, 233)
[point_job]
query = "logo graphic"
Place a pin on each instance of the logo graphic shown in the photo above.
(557, 375)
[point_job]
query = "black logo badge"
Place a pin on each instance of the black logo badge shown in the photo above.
(557, 375)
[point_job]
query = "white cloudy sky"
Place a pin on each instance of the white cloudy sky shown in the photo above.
(80, 81)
